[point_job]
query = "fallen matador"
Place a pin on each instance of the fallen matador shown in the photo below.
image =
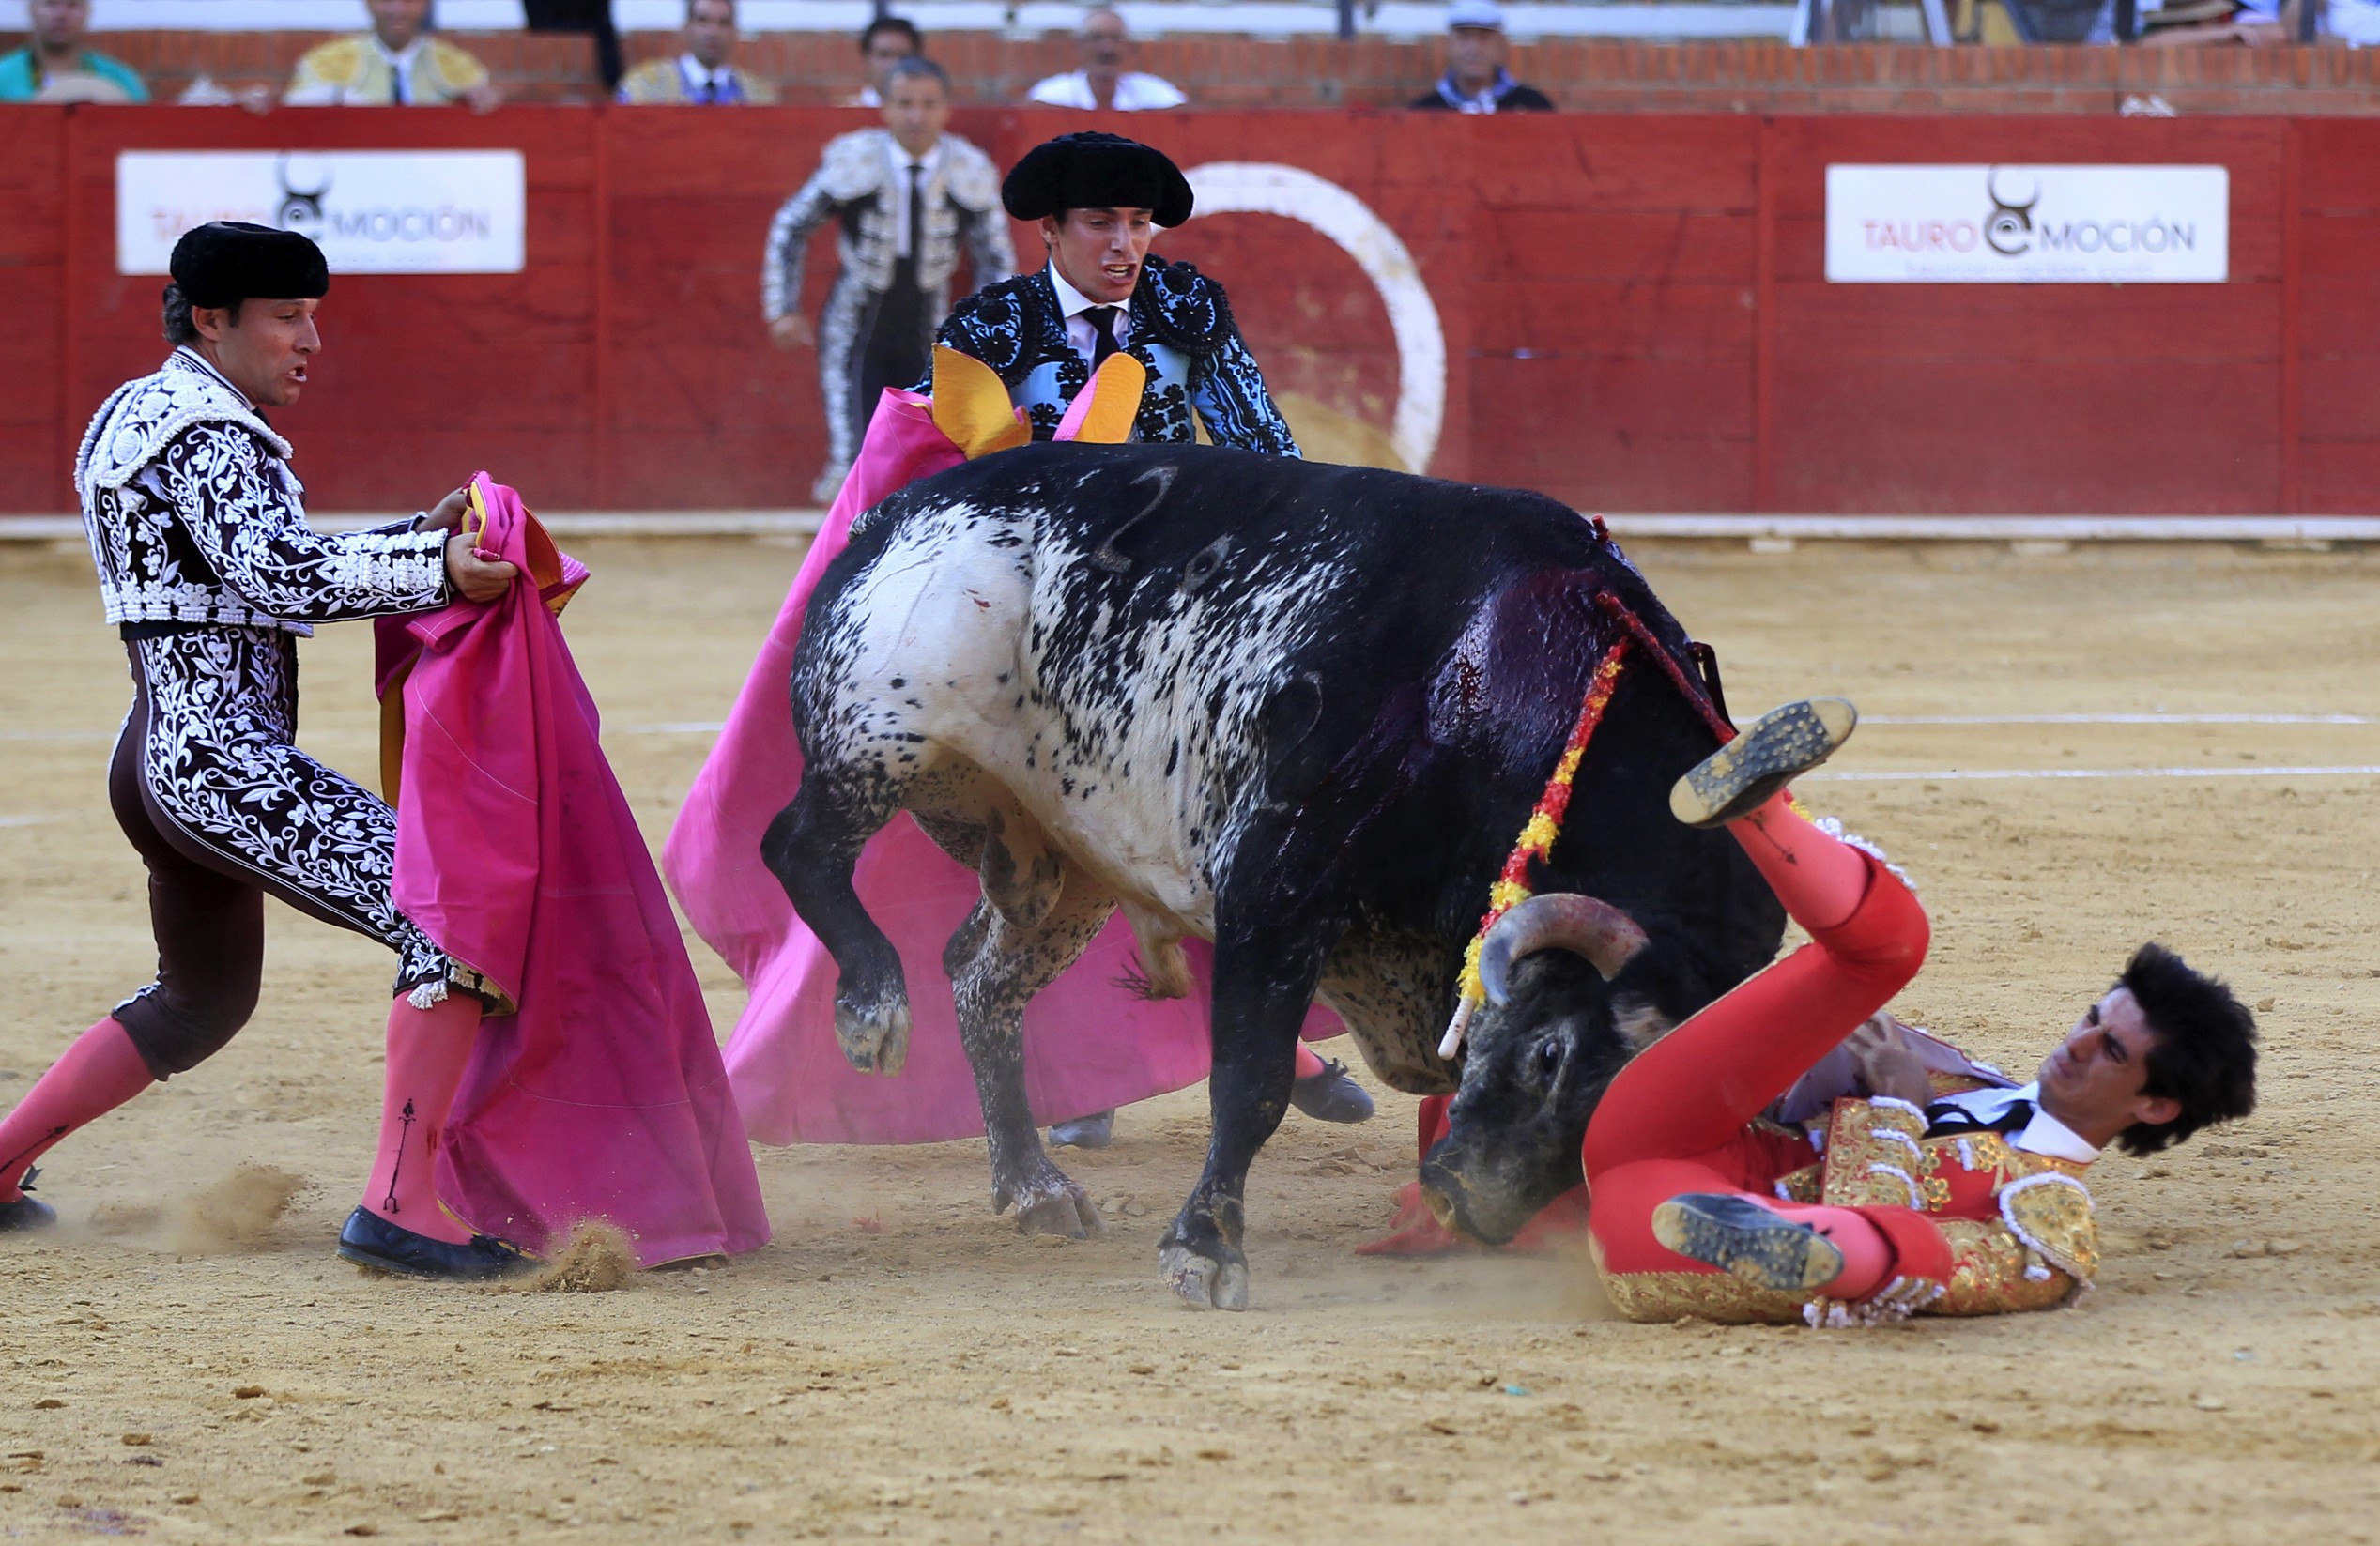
(1793, 1154)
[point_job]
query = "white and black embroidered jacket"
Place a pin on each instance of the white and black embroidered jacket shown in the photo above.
(857, 183)
(195, 517)
(1182, 331)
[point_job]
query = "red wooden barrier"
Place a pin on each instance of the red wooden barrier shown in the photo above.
(1633, 306)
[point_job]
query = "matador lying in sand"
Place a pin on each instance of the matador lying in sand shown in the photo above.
(1793, 1152)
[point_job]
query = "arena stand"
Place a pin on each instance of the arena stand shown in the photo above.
(1631, 300)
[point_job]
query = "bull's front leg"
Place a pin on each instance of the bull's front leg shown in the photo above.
(1262, 993)
(996, 969)
(811, 847)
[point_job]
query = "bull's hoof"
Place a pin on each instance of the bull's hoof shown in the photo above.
(1053, 1205)
(875, 1036)
(1203, 1281)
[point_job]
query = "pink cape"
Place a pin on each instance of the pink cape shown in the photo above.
(603, 1097)
(1089, 1044)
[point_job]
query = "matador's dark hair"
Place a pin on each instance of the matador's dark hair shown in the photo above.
(179, 329)
(917, 66)
(2204, 1051)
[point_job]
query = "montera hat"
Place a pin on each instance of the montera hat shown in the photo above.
(1095, 171)
(229, 260)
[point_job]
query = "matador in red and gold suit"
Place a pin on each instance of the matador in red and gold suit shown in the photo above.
(1793, 1154)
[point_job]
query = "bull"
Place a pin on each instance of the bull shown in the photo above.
(1299, 711)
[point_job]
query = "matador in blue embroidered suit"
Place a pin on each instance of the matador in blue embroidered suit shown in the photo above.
(1099, 199)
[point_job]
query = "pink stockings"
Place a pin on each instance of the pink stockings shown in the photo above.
(99, 1072)
(1676, 1119)
(427, 1051)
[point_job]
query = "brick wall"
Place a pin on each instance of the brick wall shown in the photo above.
(1598, 76)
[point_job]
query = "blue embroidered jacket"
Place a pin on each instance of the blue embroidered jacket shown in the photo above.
(1182, 331)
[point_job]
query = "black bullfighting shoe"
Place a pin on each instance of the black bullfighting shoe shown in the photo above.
(1739, 1236)
(1331, 1096)
(27, 1213)
(1781, 745)
(1096, 1131)
(371, 1241)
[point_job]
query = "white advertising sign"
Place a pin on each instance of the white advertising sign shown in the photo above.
(373, 212)
(2027, 225)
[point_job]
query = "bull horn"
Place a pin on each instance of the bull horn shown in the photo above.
(1566, 921)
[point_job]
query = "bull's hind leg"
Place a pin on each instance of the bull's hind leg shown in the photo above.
(811, 847)
(997, 964)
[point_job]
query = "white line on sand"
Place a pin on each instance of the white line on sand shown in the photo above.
(2115, 719)
(1864, 776)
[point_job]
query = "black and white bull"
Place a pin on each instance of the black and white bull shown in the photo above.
(1300, 711)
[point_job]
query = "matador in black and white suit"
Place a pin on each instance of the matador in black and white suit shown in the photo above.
(209, 571)
(210, 574)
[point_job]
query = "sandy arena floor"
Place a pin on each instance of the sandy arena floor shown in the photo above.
(899, 1364)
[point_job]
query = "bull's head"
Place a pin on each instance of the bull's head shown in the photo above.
(1570, 1000)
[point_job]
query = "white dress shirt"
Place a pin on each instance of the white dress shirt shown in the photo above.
(2044, 1135)
(697, 75)
(1134, 92)
(904, 239)
(401, 61)
(1081, 330)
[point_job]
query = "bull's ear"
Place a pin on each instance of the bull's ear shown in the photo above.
(1639, 1021)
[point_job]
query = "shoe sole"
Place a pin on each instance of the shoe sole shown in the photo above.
(1747, 1241)
(1781, 745)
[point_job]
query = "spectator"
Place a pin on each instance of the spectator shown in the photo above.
(907, 199)
(1475, 79)
(2186, 23)
(1106, 45)
(396, 64)
(884, 43)
(703, 74)
(54, 66)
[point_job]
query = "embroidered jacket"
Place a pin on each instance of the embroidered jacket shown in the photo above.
(2019, 1224)
(1182, 331)
(194, 517)
(2007, 1229)
(857, 182)
(354, 72)
(661, 82)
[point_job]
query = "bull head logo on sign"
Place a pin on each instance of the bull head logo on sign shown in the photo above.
(2009, 231)
(300, 209)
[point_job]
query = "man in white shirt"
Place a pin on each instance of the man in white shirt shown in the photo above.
(705, 75)
(884, 43)
(1106, 46)
(399, 63)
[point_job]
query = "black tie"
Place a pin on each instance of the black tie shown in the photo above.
(1945, 1118)
(916, 207)
(1102, 320)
